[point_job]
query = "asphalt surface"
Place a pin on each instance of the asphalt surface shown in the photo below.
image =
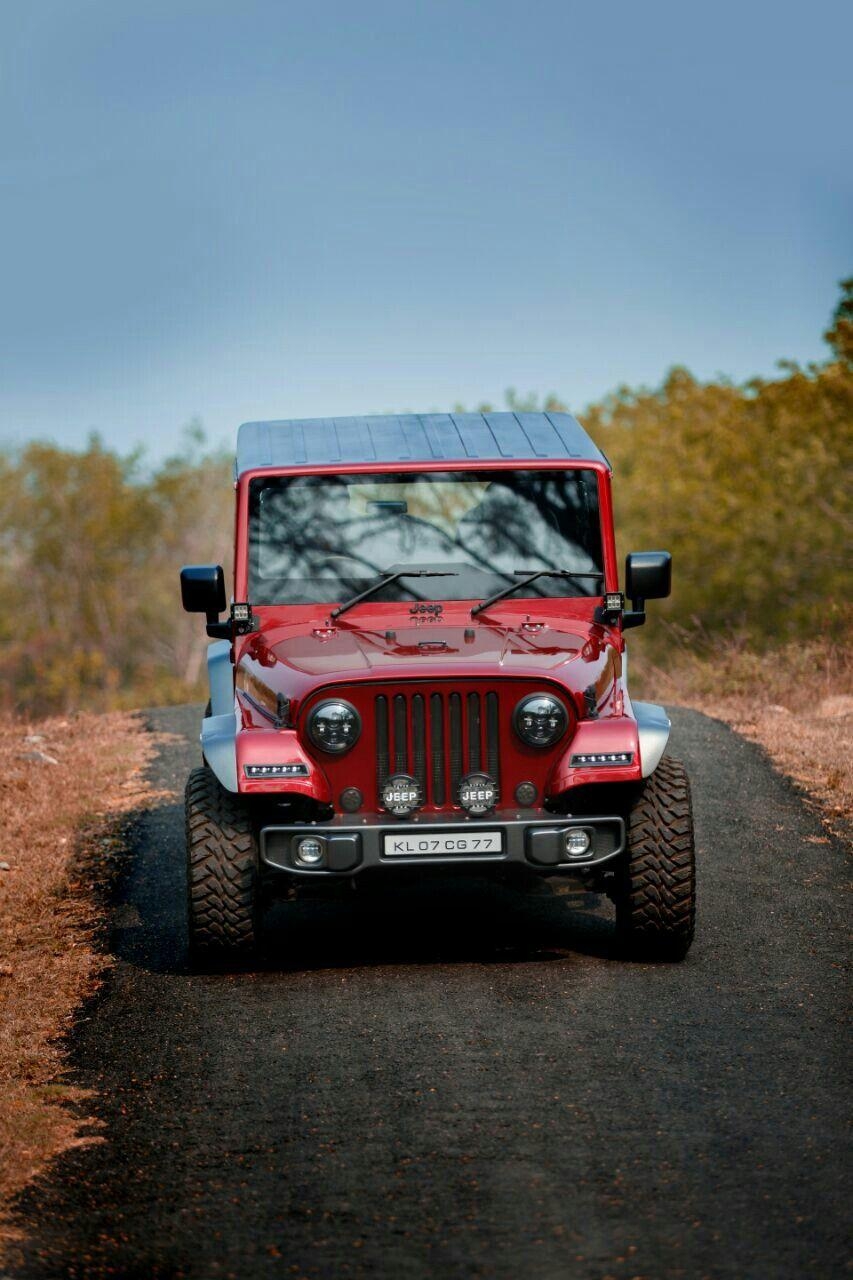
(463, 1080)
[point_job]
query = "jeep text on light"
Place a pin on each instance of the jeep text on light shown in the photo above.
(343, 743)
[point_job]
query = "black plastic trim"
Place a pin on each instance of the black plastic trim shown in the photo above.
(521, 835)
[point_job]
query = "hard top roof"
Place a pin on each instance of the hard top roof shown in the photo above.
(410, 437)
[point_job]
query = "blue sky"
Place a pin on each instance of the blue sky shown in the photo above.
(270, 209)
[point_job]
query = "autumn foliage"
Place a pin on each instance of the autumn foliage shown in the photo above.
(747, 485)
(93, 542)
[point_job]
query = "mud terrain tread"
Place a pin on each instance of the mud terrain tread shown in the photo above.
(656, 893)
(221, 868)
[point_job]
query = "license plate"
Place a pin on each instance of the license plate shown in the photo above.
(411, 845)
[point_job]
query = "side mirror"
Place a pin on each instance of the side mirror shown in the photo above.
(648, 576)
(203, 589)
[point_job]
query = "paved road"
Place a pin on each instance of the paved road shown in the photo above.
(464, 1081)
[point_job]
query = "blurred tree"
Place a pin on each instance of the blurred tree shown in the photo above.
(840, 334)
(530, 403)
(91, 549)
(748, 486)
(519, 404)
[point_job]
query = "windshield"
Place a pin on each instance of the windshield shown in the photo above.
(324, 538)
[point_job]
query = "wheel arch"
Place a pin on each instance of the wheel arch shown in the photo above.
(653, 728)
(219, 729)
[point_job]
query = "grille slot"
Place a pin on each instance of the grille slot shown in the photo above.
(419, 740)
(382, 757)
(401, 746)
(437, 739)
(455, 744)
(493, 754)
(473, 732)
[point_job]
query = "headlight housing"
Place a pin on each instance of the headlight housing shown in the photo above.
(540, 720)
(334, 726)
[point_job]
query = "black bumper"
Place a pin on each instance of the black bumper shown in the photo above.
(350, 846)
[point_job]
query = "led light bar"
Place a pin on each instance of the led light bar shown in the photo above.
(599, 758)
(242, 619)
(275, 770)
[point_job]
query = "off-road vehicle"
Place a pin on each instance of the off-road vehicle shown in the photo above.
(423, 666)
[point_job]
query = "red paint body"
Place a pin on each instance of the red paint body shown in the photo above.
(519, 646)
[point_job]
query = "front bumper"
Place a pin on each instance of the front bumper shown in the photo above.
(349, 846)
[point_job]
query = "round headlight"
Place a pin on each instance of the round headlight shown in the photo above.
(334, 726)
(540, 720)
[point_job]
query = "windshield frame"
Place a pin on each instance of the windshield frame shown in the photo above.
(605, 510)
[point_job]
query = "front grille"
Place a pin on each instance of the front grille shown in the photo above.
(437, 738)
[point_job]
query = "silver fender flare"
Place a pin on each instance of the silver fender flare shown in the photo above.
(219, 729)
(653, 726)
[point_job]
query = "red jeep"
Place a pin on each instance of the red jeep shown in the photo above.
(424, 667)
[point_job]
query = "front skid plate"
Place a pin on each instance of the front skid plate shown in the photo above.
(352, 846)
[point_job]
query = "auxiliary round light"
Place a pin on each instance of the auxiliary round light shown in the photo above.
(402, 794)
(334, 726)
(478, 793)
(351, 799)
(310, 852)
(540, 720)
(577, 843)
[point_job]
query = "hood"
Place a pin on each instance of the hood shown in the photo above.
(450, 649)
(295, 660)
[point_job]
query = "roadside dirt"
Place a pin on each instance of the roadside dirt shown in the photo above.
(64, 785)
(815, 750)
(796, 703)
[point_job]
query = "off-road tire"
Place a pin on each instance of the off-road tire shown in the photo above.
(222, 875)
(655, 889)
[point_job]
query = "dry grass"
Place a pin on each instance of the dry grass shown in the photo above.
(796, 701)
(64, 783)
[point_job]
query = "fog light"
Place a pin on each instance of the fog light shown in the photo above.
(310, 853)
(402, 794)
(478, 793)
(577, 843)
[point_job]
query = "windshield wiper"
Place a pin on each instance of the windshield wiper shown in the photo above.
(387, 579)
(526, 579)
